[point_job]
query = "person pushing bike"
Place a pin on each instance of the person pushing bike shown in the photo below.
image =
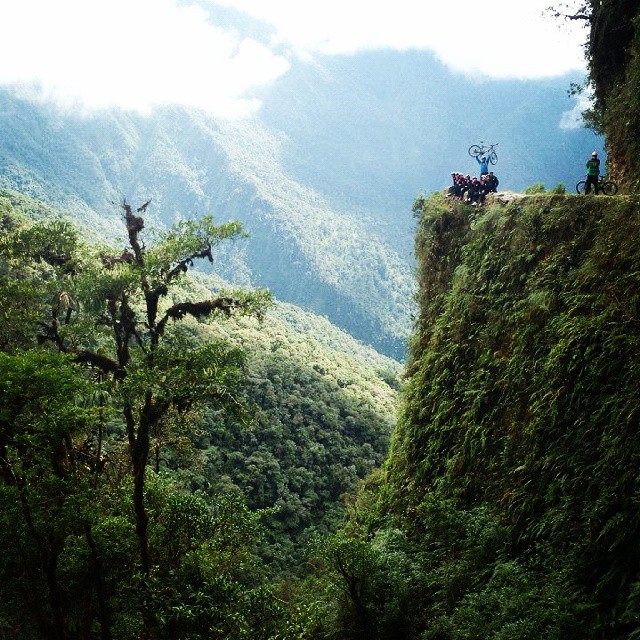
(593, 173)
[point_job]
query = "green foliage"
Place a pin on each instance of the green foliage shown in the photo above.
(418, 205)
(312, 419)
(98, 540)
(367, 583)
(45, 489)
(31, 261)
(535, 189)
(559, 190)
(510, 606)
(320, 422)
(538, 189)
(622, 116)
(511, 476)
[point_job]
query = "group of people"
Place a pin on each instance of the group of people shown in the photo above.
(472, 190)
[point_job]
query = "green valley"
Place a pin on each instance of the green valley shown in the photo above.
(251, 428)
(187, 456)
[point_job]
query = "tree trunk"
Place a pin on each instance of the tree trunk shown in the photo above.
(139, 438)
(140, 455)
(57, 629)
(98, 576)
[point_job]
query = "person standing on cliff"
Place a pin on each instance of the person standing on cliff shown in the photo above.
(593, 173)
(484, 164)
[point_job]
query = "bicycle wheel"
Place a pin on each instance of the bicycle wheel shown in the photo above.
(609, 188)
(493, 157)
(580, 187)
(475, 150)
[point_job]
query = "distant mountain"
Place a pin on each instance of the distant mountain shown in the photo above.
(379, 127)
(319, 405)
(323, 177)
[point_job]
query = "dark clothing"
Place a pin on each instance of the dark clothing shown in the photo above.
(591, 180)
(472, 190)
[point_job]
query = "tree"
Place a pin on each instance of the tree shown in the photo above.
(613, 71)
(579, 11)
(123, 318)
(153, 373)
(44, 475)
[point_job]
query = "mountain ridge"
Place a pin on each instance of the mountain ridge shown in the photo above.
(322, 176)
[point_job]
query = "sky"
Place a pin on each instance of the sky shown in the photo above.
(137, 54)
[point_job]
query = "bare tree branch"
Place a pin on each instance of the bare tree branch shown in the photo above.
(197, 310)
(582, 12)
(143, 207)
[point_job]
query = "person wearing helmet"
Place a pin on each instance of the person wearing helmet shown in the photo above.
(593, 173)
(483, 161)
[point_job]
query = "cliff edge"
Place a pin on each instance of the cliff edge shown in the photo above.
(508, 507)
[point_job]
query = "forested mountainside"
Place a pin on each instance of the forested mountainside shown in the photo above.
(330, 261)
(508, 505)
(322, 177)
(245, 432)
(323, 406)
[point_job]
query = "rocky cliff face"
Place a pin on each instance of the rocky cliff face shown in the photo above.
(614, 65)
(510, 494)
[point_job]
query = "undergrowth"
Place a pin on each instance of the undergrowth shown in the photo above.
(513, 482)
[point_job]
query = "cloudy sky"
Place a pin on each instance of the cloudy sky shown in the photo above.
(211, 53)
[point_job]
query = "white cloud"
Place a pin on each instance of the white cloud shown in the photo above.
(572, 119)
(131, 53)
(501, 38)
(141, 53)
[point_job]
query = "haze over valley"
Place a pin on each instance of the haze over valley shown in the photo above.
(323, 174)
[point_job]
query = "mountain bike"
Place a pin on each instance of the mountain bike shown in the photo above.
(605, 186)
(483, 149)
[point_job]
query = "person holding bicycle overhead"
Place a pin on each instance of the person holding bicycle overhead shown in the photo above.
(483, 161)
(593, 173)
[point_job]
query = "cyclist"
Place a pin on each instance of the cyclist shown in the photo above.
(492, 182)
(483, 161)
(593, 173)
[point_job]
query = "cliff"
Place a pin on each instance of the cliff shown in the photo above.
(508, 507)
(613, 53)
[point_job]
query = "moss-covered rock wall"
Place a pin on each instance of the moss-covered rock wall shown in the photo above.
(511, 495)
(613, 52)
